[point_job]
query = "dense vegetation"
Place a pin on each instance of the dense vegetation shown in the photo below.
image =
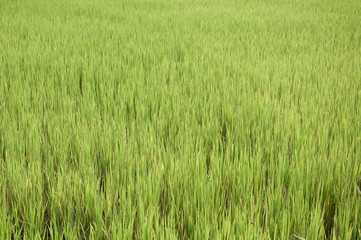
(184, 119)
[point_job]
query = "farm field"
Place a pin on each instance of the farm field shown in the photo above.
(160, 119)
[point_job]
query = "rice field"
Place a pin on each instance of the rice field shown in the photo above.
(160, 119)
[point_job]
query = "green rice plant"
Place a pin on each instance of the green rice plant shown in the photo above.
(180, 119)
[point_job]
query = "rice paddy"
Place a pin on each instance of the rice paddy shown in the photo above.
(160, 119)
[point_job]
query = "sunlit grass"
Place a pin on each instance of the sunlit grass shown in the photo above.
(180, 119)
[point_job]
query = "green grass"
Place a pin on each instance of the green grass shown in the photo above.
(163, 119)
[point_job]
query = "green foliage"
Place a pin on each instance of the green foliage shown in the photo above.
(183, 119)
